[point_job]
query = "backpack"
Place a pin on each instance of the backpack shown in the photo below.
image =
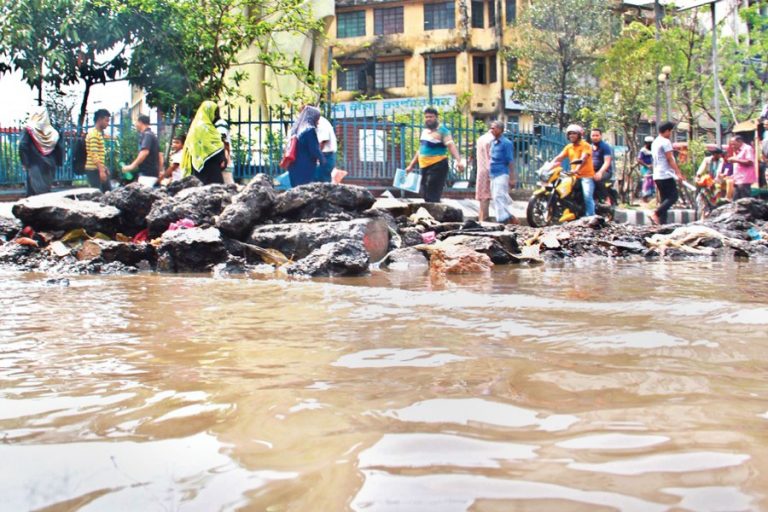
(79, 156)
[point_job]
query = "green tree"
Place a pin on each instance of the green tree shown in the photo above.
(744, 75)
(686, 46)
(62, 42)
(626, 88)
(559, 42)
(32, 33)
(190, 51)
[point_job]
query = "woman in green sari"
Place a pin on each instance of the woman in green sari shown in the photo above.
(203, 155)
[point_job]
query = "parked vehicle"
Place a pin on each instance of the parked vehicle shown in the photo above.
(559, 198)
(709, 195)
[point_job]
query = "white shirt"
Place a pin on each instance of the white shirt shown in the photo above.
(661, 168)
(325, 133)
(176, 159)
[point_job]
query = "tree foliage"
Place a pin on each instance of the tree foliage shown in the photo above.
(190, 51)
(62, 42)
(181, 51)
(558, 42)
(627, 85)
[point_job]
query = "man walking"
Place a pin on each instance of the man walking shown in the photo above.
(502, 171)
(432, 156)
(95, 154)
(483, 181)
(665, 172)
(328, 145)
(743, 167)
(149, 161)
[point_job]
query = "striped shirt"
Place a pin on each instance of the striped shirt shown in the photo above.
(433, 146)
(94, 149)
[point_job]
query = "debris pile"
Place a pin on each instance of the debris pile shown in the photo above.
(324, 229)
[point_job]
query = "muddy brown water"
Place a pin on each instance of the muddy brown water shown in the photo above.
(586, 387)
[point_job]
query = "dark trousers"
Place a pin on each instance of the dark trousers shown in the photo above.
(323, 171)
(211, 171)
(668, 190)
(741, 191)
(94, 180)
(39, 179)
(433, 180)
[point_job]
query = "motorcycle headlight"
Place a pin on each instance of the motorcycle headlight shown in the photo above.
(545, 174)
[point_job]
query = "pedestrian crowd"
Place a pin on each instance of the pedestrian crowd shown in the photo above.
(205, 151)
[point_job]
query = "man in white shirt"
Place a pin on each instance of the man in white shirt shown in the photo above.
(326, 136)
(665, 172)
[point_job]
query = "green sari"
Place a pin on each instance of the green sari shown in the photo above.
(203, 140)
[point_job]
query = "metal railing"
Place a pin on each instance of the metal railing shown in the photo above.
(371, 145)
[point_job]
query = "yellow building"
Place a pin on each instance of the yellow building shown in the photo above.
(385, 49)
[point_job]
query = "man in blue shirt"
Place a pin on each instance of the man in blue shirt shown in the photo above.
(602, 161)
(502, 174)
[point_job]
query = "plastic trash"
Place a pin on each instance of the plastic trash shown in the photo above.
(408, 181)
(754, 234)
(337, 175)
(429, 237)
(181, 224)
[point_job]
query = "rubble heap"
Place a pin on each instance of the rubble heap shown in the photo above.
(324, 229)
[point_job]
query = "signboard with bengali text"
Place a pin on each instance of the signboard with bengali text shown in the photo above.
(372, 108)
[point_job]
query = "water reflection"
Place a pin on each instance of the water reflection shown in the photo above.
(667, 463)
(476, 411)
(151, 475)
(448, 493)
(584, 387)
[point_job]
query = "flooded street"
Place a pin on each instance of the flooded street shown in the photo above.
(588, 387)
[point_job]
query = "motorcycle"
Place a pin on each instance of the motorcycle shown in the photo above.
(709, 195)
(560, 199)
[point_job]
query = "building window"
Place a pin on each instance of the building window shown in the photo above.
(511, 7)
(350, 24)
(484, 69)
(491, 13)
(351, 78)
(389, 74)
(388, 21)
(512, 69)
(478, 20)
(439, 15)
(443, 70)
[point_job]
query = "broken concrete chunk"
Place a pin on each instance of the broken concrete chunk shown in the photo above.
(297, 240)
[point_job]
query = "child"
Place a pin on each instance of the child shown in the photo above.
(645, 159)
(173, 172)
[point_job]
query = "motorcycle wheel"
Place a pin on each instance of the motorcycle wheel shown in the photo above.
(537, 213)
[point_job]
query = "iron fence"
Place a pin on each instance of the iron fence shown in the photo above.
(371, 145)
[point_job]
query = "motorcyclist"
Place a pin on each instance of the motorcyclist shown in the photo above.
(579, 155)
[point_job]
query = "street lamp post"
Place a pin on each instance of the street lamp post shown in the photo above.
(664, 76)
(658, 14)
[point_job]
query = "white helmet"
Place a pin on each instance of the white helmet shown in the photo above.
(648, 139)
(575, 129)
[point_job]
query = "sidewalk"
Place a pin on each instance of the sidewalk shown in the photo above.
(471, 207)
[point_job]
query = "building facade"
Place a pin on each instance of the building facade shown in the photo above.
(414, 50)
